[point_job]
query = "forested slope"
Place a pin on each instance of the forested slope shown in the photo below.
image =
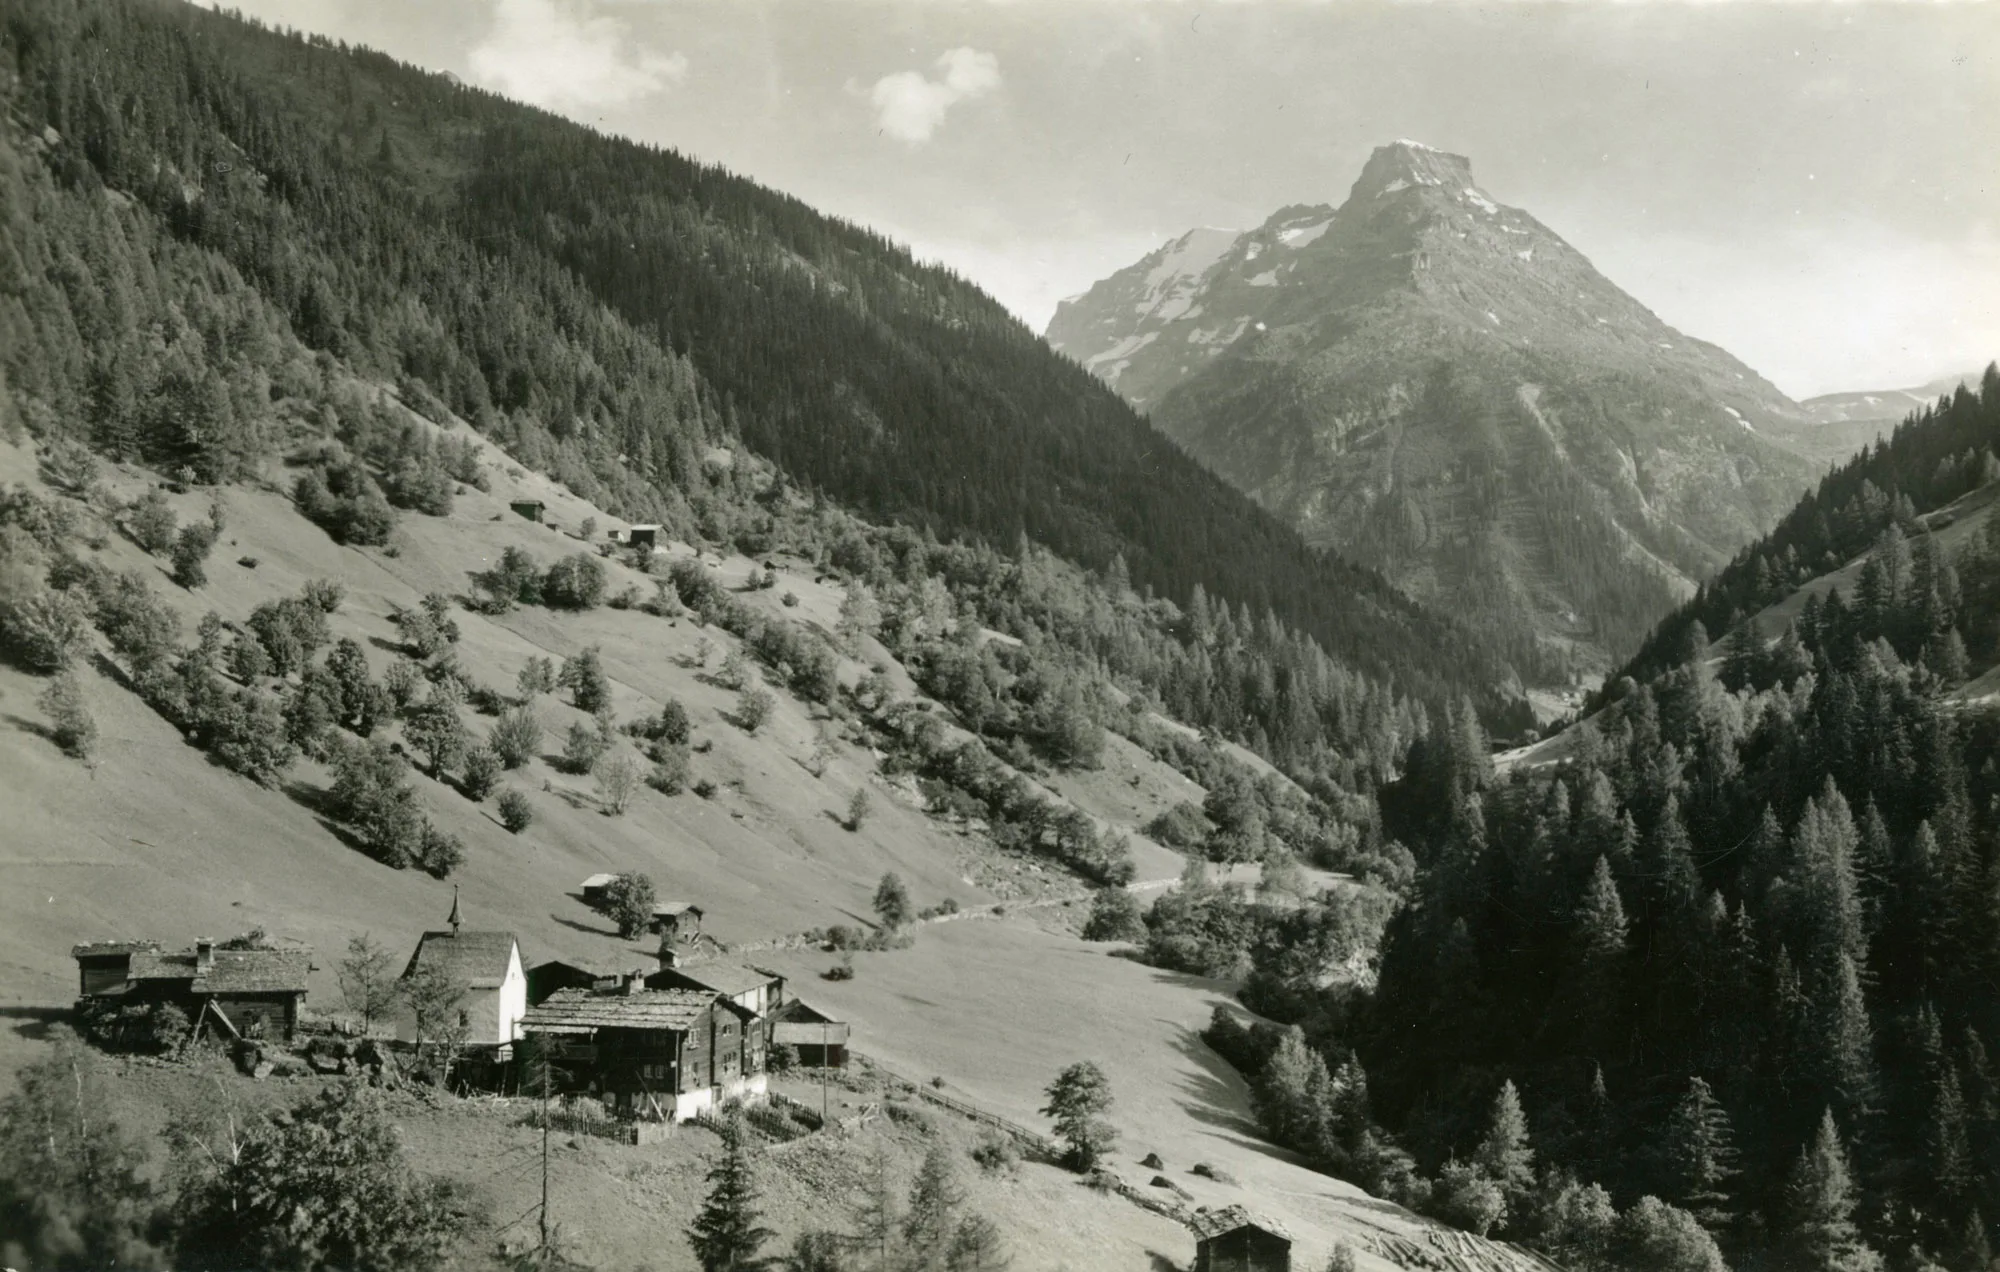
(1733, 949)
(614, 313)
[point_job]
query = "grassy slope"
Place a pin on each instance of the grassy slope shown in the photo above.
(155, 840)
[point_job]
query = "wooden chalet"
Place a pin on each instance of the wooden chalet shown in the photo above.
(665, 1054)
(532, 509)
(245, 988)
(819, 1039)
(596, 890)
(1231, 1239)
(677, 920)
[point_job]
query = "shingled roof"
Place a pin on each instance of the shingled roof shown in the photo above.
(229, 971)
(723, 978)
(1208, 1224)
(581, 1010)
(476, 960)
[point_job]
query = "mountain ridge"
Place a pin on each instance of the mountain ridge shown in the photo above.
(1407, 375)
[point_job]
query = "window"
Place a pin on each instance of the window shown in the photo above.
(464, 1018)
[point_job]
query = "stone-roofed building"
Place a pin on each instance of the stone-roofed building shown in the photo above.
(487, 966)
(1231, 1239)
(669, 1054)
(249, 987)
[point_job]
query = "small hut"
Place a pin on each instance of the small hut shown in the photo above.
(532, 509)
(1231, 1239)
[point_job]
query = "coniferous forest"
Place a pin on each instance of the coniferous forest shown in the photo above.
(1732, 950)
(224, 201)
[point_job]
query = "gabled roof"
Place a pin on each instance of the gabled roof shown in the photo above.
(229, 972)
(796, 1012)
(102, 949)
(582, 1010)
(1208, 1224)
(674, 909)
(476, 960)
(599, 880)
(723, 978)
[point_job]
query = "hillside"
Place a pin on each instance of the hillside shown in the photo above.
(152, 836)
(611, 312)
(1438, 385)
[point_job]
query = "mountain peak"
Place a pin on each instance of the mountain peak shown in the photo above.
(1402, 164)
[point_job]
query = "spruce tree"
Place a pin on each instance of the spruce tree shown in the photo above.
(1503, 1154)
(727, 1234)
(932, 1218)
(1816, 1224)
(1701, 1156)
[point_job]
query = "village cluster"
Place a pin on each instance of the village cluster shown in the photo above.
(665, 1043)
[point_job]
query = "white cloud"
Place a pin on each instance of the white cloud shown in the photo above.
(557, 54)
(911, 106)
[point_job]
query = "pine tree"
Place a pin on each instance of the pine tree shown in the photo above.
(1948, 1141)
(1701, 1156)
(1816, 1226)
(874, 1216)
(932, 1219)
(1844, 1041)
(977, 1246)
(1503, 1154)
(727, 1235)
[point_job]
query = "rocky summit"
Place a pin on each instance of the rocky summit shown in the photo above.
(1438, 384)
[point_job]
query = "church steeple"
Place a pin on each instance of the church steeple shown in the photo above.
(454, 920)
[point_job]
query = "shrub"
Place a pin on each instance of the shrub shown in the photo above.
(1114, 916)
(516, 737)
(68, 465)
(1466, 1198)
(705, 788)
(537, 676)
(996, 1152)
(617, 781)
(670, 768)
(152, 523)
(581, 749)
(670, 725)
(628, 901)
(69, 719)
(324, 595)
(343, 500)
(1181, 826)
(583, 675)
(482, 773)
(437, 853)
(141, 628)
(370, 794)
(515, 579)
(753, 708)
(516, 813)
(401, 682)
(290, 630)
(191, 549)
(50, 628)
(841, 971)
(575, 582)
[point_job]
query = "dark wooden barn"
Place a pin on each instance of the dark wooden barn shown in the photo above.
(1231, 1239)
(668, 1054)
(818, 1038)
(244, 988)
(547, 977)
(529, 508)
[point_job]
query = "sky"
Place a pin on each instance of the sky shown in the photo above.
(1809, 184)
